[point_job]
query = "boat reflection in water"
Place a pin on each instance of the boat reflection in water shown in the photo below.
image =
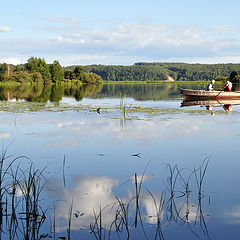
(226, 104)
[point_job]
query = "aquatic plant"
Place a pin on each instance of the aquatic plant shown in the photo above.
(23, 216)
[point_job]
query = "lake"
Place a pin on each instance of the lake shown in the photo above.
(118, 161)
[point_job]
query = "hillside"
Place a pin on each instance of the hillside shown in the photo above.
(162, 71)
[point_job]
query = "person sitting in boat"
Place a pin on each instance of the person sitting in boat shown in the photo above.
(210, 86)
(227, 87)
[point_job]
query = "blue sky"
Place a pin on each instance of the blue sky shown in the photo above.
(120, 32)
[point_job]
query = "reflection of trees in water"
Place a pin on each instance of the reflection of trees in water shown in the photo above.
(54, 93)
(44, 93)
(57, 93)
(143, 92)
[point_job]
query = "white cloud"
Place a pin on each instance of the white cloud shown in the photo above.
(61, 20)
(12, 60)
(69, 40)
(5, 29)
(129, 43)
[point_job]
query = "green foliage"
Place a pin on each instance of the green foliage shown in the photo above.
(37, 77)
(160, 71)
(3, 69)
(17, 68)
(235, 79)
(37, 70)
(233, 75)
(56, 71)
(25, 77)
(21, 77)
(221, 79)
(129, 73)
(69, 74)
(91, 78)
(78, 74)
(78, 71)
(39, 65)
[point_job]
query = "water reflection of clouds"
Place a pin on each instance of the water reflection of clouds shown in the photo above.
(88, 194)
(71, 143)
(140, 178)
(153, 212)
(79, 128)
(186, 212)
(72, 133)
(233, 216)
(140, 129)
(68, 123)
(5, 134)
(164, 129)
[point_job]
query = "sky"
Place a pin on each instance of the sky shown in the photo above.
(120, 32)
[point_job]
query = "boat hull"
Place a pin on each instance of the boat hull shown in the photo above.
(203, 94)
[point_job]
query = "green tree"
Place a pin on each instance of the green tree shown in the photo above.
(37, 77)
(21, 77)
(79, 72)
(3, 69)
(91, 78)
(69, 74)
(39, 65)
(57, 72)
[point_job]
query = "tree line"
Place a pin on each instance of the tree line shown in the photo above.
(36, 70)
(161, 71)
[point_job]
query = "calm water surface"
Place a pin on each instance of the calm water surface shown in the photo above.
(93, 159)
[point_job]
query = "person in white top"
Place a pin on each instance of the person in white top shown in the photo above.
(210, 86)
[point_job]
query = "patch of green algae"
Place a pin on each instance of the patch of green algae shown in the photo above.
(131, 111)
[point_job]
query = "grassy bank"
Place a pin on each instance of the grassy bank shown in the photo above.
(65, 82)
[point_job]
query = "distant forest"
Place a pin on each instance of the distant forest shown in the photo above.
(161, 71)
(37, 70)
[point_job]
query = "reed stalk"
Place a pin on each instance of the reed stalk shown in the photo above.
(70, 220)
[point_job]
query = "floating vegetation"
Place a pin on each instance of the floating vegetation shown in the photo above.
(124, 111)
